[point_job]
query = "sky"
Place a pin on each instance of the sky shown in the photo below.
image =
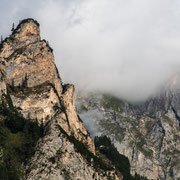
(128, 48)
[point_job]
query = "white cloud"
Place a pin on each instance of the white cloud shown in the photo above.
(127, 48)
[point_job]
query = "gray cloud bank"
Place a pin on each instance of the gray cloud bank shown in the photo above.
(128, 48)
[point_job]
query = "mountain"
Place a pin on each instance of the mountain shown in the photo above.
(146, 132)
(41, 134)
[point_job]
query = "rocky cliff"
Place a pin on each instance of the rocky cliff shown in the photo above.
(147, 132)
(30, 80)
(28, 61)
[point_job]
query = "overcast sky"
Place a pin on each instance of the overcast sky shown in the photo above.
(124, 47)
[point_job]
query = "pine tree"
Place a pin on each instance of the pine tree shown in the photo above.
(24, 82)
(1, 38)
(12, 85)
(12, 27)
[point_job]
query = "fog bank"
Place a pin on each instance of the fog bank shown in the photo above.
(126, 48)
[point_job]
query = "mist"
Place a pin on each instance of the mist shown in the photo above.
(90, 120)
(123, 47)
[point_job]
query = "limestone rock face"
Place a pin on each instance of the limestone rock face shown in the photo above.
(56, 158)
(75, 125)
(28, 59)
(28, 62)
(147, 133)
(28, 73)
(38, 104)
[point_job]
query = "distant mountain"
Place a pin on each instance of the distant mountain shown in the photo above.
(148, 133)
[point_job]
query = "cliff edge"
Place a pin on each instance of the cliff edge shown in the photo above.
(31, 82)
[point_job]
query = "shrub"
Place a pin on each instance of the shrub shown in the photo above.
(120, 161)
(18, 137)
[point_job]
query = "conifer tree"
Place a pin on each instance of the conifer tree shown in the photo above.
(12, 27)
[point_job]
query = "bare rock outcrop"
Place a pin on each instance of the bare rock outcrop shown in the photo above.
(30, 80)
(34, 82)
(27, 59)
(148, 133)
(57, 158)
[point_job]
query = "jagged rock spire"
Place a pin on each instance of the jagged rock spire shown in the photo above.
(28, 62)
(26, 29)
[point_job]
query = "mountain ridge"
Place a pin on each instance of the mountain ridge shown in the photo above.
(147, 132)
(32, 90)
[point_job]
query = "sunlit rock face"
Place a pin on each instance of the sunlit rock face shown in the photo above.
(26, 57)
(29, 75)
(28, 62)
(56, 158)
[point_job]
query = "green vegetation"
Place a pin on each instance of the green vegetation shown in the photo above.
(149, 124)
(18, 137)
(111, 102)
(25, 81)
(113, 128)
(140, 142)
(98, 163)
(121, 162)
(167, 120)
(22, 91)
